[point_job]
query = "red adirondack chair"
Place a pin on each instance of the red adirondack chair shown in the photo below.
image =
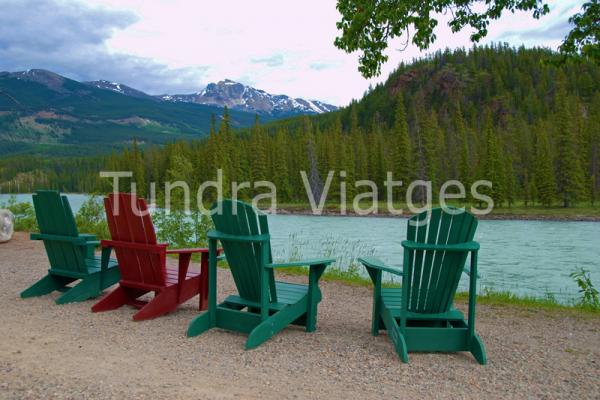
(142, 263)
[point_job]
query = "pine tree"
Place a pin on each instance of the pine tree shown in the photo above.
(257, 153)
(419, 143)
(569, 173)
(544, 172)
(280, 166)
(180, 169)
(464, 166)
(402, 161)
(212, 160)
(510, 181)
(432, 143)
(593, 144)
(492, 166)
(138, 169)
(227, 160)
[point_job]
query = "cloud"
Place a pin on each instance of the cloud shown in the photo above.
(556, 30)
(70, 39)
(319, 66)
(276, 60)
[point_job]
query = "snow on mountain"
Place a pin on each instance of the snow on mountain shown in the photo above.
(119, 88)
(246, 98)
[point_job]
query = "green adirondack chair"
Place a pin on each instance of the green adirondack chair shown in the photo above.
(70, 253)
(263, 306)
(420, 315)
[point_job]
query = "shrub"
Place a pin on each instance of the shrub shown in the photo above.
(180, 229)
(24, 215)
(91, 218)
(589, 294)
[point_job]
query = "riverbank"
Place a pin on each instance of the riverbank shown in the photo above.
(517, 212)
(587, 214)
(67, 352)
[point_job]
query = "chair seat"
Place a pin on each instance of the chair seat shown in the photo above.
(392, 300)
(173, 275)
(94, 264)
(287, 293)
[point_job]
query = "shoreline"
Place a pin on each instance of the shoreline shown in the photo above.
(304, 210)
(496, 217)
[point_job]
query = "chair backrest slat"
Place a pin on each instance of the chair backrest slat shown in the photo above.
(238, 218)
(131, 222)
(55, 217)
(434, 275)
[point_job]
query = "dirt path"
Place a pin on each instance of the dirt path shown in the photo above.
(67, 352)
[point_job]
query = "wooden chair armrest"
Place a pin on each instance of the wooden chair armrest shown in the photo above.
(459, 247)
(216, 235)
(188, 251)
(372, 262)
(150, 248)
(302, 263)
(76, 240)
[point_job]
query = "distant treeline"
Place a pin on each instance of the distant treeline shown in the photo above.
(515, 117)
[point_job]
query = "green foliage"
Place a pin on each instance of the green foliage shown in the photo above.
(544, 170)
(91, 218)
(492, 162)
(24, 215)
(584, 38)
(570, 178)
(589, 294)
(367, 25)
(402, 156)
(182, 230)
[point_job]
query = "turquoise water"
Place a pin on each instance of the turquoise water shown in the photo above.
(524, 257)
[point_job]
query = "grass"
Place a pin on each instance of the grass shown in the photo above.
(488, 297)
(504, 299)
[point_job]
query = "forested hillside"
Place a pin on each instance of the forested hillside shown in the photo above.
(511, 116)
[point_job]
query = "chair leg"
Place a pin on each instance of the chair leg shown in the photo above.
(314, 296)
(110, 277)
(162, 303)
(88, 287)
(396, 336)
(115, 299)
(478, 350)
(199, 324)
(47, 284)
(203, 302)
(275, 323)
(399, 342)
(311, 315)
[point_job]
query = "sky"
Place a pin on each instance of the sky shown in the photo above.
(179, 46)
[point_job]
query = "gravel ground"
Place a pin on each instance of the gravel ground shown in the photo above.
(67, 352)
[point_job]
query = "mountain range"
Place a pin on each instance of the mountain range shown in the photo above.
(46, 113)
(234, 95)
